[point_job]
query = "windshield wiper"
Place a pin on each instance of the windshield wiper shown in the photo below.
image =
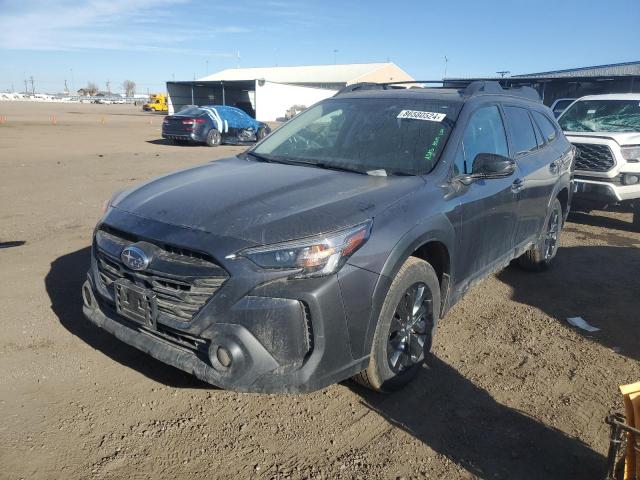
(262, 158)
(331, 166)
(272, 159)
(325, 165)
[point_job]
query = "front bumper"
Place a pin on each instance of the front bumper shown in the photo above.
(604, 191)
(261, 331)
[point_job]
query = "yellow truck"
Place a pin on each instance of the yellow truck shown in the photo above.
(157, 103)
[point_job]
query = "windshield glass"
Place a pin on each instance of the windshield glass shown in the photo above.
(602, 116)
(397, 135)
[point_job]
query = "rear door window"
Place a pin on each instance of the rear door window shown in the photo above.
(546, 127)
(522, 133)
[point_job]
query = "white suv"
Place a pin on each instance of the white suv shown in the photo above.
(605, 130)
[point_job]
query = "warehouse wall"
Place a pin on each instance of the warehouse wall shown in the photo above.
(180, 95)
(274, 99)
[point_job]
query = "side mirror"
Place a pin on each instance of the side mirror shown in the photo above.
(491, 165)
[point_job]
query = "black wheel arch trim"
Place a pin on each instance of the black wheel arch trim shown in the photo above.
(435, 229)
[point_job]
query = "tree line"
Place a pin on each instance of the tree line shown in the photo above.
(129, 87)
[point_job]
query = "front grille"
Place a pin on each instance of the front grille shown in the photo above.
(594, 157)
(182, 280)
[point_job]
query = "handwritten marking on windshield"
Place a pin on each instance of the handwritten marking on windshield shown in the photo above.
(434, 145)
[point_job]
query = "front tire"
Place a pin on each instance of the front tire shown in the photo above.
(540, 256)
(636, 215)
(213, 138)
(405, 328)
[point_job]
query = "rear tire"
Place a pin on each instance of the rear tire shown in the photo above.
(213, 138)
(405, 328)
(541, 255)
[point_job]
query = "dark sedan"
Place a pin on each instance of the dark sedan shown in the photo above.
(213, 125)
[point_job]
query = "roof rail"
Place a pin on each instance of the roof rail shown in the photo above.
(361, 86)
(491, 87)
(383, 86)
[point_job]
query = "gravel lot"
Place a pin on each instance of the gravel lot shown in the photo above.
(512, 391)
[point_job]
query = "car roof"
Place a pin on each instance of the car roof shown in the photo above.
(613, 96)
(218, 106)
(449, 94)
(459, 95)
(438, 94)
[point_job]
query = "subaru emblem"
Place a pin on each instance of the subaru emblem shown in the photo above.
(134, 258)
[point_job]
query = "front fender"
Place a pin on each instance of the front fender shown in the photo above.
(436, 228)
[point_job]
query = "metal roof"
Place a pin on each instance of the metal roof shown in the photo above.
(344, 73)
(611, 70)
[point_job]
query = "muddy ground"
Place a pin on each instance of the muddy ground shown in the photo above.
(512, 391)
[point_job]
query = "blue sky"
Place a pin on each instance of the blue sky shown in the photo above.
(151, 41)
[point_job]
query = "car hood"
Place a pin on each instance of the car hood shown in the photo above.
(263, 203)
(621, 138)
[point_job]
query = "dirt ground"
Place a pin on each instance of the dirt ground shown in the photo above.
(512, 391)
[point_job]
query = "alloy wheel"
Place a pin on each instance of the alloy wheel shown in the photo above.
(409, 328)
(551, 237)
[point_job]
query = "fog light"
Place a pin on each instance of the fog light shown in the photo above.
(224, 356)
(86, 295)
(630, 179)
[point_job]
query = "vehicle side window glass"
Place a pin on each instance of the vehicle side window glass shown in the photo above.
(536, 131)
(522, 133)
(483, 134)
(546, 127)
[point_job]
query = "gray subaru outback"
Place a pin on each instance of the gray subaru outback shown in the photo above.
(332, 248)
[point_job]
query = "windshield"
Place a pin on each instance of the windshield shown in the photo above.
(397, 135)
(602, 116)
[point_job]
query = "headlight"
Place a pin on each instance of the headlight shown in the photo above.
(631, 153)
(313, 257)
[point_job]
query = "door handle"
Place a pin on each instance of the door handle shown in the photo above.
(517, 185)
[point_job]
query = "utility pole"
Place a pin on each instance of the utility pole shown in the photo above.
(108, 86)
(26, 89)
(238, 57)
(33, 88)
(335, 56)
(66, 88)
(502, 73)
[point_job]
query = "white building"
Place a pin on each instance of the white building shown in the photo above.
(267, 93)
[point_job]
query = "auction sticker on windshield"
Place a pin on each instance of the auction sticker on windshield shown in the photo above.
(420, 115)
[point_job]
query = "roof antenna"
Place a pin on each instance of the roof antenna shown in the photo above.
(446, 62)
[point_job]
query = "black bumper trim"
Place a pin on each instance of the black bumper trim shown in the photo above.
(175, 356)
